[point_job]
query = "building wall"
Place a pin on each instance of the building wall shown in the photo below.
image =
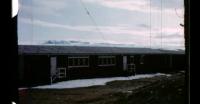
(35, 69)
(94, 70)
(21, 69)
(178, 62)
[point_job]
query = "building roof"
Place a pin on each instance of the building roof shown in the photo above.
(68, 50)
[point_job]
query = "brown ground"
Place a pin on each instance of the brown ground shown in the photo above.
(156, 90)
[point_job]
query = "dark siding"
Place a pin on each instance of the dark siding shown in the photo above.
(79, 72)
(119, 65)
(160, 63)
(21, 69)
(96, 71)
(108, 71)
(179, 62)
(93, 65)
(62, 61)
(151, 64)
(37, 70)
(140, 68)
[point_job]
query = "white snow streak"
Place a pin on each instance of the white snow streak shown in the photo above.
(93, 82)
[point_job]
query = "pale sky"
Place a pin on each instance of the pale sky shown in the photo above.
(113, 21)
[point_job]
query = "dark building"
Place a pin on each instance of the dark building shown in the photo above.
(46, 64)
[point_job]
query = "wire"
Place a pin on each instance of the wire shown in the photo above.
(32, 22)
(161, 23)
(145, 38)
(93, 20)
(150, 23)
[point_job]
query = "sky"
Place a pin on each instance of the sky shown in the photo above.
(138, 23)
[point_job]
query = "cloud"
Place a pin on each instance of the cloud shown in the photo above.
(141, 5)
(45, 14)
(143, 25)
(55, 25)
(121, 34)
(132, 5)
(105, 30)
(170, 36)
(50, 4)
(43, 7)
(84, 43)
(168, 4)
(118, 29)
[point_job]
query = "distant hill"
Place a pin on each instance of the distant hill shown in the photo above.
(81, 43)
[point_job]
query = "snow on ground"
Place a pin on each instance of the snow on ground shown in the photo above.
(92, 82)
(22, 89)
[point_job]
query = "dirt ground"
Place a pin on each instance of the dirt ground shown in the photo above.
(156, 90)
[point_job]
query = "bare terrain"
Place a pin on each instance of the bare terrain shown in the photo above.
(156, 90)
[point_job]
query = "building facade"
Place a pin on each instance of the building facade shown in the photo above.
(47, 64)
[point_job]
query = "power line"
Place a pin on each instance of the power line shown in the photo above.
(150, 23)
(93, 20)
(161, 22)
(32, 23)
(145, 38)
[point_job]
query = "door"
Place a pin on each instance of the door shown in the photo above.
(131, 65)
(53, 65)
(124, 62)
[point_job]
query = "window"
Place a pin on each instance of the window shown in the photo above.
(106, 60)
(78, 61)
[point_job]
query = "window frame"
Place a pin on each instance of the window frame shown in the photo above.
(106, 60)
(76, 61)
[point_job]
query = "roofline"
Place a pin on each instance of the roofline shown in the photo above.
(101, 54)
(98, 53)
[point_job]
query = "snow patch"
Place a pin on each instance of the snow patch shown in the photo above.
(22, 89)
(93, 82)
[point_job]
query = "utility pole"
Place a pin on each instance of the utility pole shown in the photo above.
(187, 46)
